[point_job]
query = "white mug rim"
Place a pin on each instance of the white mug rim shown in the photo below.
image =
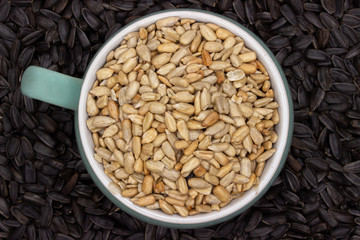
(84, 135)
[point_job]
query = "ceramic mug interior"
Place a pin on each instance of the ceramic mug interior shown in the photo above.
(283, 129)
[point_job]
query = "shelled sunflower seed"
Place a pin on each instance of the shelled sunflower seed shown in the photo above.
(182, 116)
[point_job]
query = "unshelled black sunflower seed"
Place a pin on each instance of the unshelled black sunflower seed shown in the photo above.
(317, 45)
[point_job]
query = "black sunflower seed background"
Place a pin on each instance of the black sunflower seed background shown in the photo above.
(45, 191)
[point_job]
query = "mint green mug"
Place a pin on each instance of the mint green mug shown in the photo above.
(70, 92)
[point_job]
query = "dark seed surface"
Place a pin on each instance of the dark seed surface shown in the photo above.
(45, 191)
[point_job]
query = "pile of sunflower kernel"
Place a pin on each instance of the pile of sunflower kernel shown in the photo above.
(182, 117)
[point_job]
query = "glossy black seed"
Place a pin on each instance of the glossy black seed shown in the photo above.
(13, 147)
(353, 178)
(317, 99)
(34, 198)
(353, 167)
(317, 55)
(46, 216)
(45, 233)
(352, 68)
(13, 223)
(287, 30)
(103, 222)
(114, 29)
(301, 42)
(51, 15)
(13, 78)
(309, 175)
(63, 28)
(319, 228)
(6, 33)
(349, 32)
(301, 130)
(3, 160)
(31, 232)
(277, 42)
(34, 188)
(293, 58)
(335, 145)
(26, 148)
(323, 36)
(318, 163)
(95, 7)
(354, 51)
(351, 20)
(340, 215)
(328, 122)
(127, 6)
(82, 38)
(313, 19)
(4, 10)
(45, 23)
(19, 216)
(47, 122)
(340, 39)
(29, 172)
(203, 233)
(328, 21)
(344, 87)
(4, 51)
(253, 221)
(29, 104)
(341, 232)
(28, 120)
(290, 197)
(89, 234)
(17, 233)
(298, 7)
(44, 150)
(334, 194)
(328, 5)
(62, 236)
(4, 208)
(26, 56)
(339, 75)
(291, 181)
(278, 23)
(15, 50)
(314, 7)
(45, 138)
(335, 97)
(288, 14)
(280, 230)
(250, 10)
(336, 51)
(72, 36)
(261, 231)
(70, 184)
(91, 19)
(300, 228)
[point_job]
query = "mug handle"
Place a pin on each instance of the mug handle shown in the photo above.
(51, 87)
